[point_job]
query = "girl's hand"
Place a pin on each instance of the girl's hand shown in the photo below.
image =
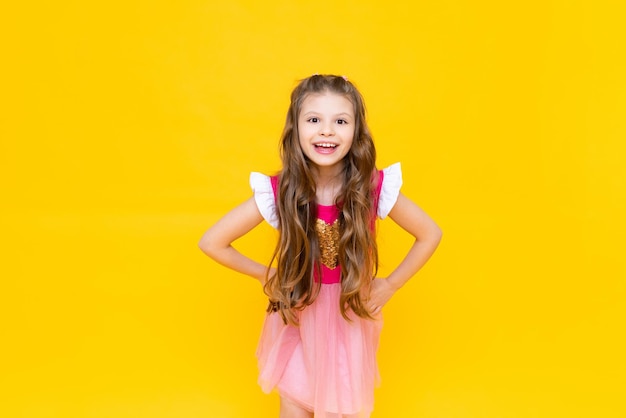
(380, 293)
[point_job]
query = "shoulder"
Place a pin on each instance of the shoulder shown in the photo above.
(388, 188)
(264, 189)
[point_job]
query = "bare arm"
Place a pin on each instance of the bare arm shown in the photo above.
(416, 222)
(217, 240)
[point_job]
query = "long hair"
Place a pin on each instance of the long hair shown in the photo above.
(297, 252)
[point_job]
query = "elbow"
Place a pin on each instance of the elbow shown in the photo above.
(436, 235)
(207, 246)
(439, 233)
(202, 244)
(430, 238)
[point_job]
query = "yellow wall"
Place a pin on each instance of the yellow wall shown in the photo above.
(128, 127)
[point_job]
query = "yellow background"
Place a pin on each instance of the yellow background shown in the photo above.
(129, 127)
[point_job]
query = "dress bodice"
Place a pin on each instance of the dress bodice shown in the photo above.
(327, 228)
(327, 223)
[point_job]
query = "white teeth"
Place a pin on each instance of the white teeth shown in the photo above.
(326, 145)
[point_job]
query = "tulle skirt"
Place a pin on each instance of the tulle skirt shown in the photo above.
(326, 365)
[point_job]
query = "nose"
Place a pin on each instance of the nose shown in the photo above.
(327, 129)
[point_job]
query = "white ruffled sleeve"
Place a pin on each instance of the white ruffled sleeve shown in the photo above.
(392, 181)
(264, 197)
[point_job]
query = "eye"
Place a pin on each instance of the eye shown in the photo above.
(313, 120)
(341, 121)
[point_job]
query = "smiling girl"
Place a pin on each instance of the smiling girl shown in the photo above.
(319, 341)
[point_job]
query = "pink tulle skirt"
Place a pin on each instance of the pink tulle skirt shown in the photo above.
(326, 365)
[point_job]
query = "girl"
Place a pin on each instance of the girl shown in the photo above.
(319, 340)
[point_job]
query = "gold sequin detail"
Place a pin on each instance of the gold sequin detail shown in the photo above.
(328, 236)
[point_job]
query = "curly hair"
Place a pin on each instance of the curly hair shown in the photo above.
(297, 253)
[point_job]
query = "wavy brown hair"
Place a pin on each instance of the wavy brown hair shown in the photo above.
(297, 253)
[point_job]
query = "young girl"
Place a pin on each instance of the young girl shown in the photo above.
(320, 336)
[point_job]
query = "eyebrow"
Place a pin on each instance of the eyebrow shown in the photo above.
(318, 113)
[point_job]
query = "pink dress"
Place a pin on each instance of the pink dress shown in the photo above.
(327, 364)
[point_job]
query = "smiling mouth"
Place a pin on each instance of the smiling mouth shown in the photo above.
(326, 145)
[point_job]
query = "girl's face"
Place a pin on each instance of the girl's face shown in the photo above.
(326, 129)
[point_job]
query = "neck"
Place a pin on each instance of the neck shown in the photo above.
(327, 184)
(325, 176)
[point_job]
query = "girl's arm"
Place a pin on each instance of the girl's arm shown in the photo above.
(216, 241)
(416, 222)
